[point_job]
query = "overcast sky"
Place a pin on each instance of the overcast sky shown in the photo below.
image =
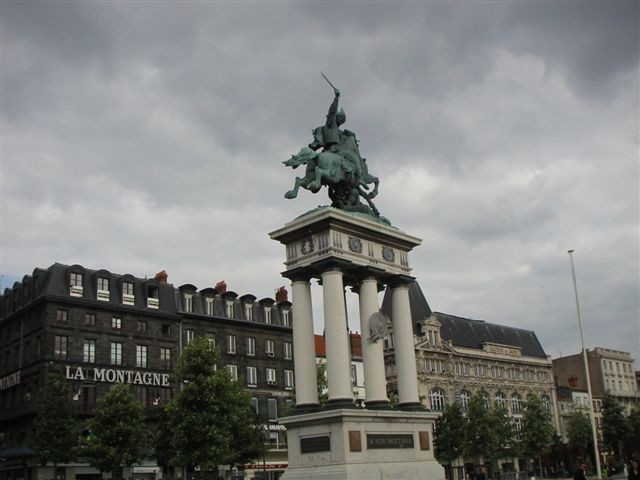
(141, 136)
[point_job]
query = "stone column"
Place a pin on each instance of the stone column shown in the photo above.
(372, 352)
(404, 348)
(304, 352)
(336, 340)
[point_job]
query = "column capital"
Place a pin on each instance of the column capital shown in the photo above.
(398, 281)
(298, 275)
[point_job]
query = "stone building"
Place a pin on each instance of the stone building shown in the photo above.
(457, 357)
(610, 371)
(99, 328)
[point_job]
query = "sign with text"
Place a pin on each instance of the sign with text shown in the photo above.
(10, 380)
(315, 444)
(112, 375)
(389, 440)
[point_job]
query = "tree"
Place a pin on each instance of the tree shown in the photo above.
(579, 433)
(478, 428)
(211, 419)
(489, 431)
(54, 437)
(538, 433)
(449, 429)
(321, 378)
(615, 427)
(500, 441)
(633, 441)
(117, 436)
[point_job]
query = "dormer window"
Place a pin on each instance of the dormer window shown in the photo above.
(267, 315)
(103, 289)
(153, 297)
(229, 308)
(431, 331)
(127, 293)
(248, 312)
(75, 285)
(286, 318)
(188, 302)
(208, 303)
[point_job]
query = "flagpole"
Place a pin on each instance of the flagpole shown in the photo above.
(586, 370)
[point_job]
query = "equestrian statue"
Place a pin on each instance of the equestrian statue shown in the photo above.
(338, 166)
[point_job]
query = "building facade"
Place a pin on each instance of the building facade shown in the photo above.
(610, 371)
(457, 357)
(99, 329)
(357, 366)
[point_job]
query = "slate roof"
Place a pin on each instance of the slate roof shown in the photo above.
(466, 332)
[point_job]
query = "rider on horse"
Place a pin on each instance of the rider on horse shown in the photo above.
(341, 142)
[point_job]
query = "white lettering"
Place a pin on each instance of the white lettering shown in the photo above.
(68, 372)
(79, 375)
(129, 375)
(138, 379)
(10, 380)
(146, 378)
(165, 379)
(120, 376)
(111, 376)
(98, 375)
(156, 379)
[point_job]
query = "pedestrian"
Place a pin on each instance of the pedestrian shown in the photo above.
(634, 469)
(580, 473)
(481, 475)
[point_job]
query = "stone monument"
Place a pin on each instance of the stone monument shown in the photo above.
(350, 244)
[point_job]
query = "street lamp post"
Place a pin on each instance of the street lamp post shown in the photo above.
(586, 371)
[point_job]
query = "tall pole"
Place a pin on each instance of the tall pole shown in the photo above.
(586, 370)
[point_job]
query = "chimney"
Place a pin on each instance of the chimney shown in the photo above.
(162, 276)
(221, 287)
(282, 295)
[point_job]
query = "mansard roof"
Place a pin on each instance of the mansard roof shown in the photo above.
(466, 332)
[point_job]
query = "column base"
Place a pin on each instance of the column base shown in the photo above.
(336, 403)
(305, 408)
(378, 405)
(411, 407)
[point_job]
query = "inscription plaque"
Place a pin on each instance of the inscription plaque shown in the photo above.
(383, 440)
(315, 444)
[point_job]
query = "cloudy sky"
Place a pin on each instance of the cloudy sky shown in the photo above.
(141, 136)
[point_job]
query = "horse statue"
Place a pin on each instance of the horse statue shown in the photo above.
(346, 182)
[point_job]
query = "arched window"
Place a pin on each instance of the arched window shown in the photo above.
(487, 401)
(500, 399)
(464, 400)
(516, 403)
(437, 400)
(546, 403)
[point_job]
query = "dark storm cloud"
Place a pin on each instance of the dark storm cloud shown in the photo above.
(141, 136)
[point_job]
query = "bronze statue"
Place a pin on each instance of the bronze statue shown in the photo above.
(339, 166)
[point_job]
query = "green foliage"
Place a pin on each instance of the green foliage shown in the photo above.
(449, 429)
(117, 435)
(615, 426)
(633, 440)
(321, 378)
(489, 432)
(578, 428)
(478, 428)
(54, 438)
(211, 421)
(538, 433)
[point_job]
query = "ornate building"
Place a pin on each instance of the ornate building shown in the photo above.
(457, 357)
(99, 328)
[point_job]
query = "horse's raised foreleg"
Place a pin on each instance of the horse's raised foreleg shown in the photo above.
(316, 184)
(293, 193)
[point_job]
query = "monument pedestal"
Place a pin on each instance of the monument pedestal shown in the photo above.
(359, 444)
(343, 249)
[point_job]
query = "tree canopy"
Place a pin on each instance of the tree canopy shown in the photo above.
(449, 429)
(578, 428)
(211, 419)
(615, 426)
(538, 433)
(55, 437)
(117, 436)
